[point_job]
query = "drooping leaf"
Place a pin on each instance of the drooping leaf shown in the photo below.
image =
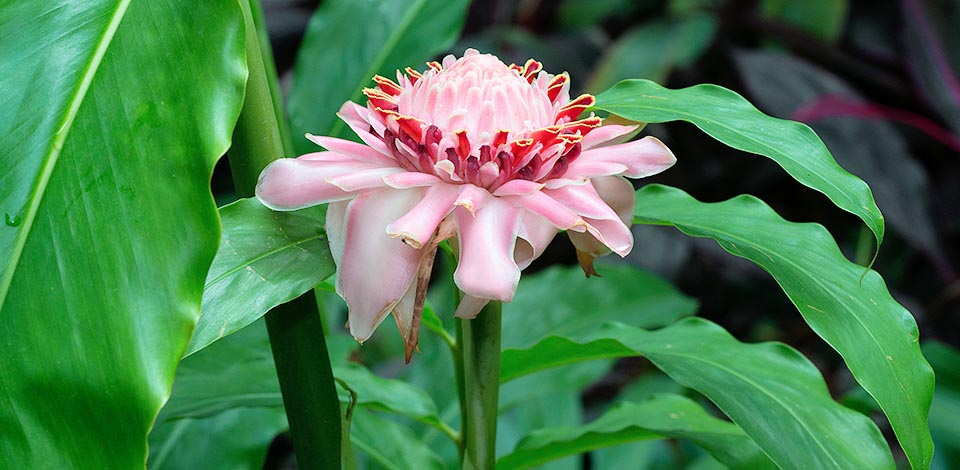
(848, 307)
(653, 50)
(236, 439)
(655, 418)
(770, 390)
(872, 149)
(265, 258)
(382, 37)
(109, 139)
(729, 118)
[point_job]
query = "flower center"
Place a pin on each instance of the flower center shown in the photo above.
(476, 120)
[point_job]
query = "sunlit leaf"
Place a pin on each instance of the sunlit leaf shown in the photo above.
(113, 114)
(849, 308)
(265, 258)
(729, 118)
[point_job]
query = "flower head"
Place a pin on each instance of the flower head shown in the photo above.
(496, 156)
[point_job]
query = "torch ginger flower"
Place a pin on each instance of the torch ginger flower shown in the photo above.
(490, 154)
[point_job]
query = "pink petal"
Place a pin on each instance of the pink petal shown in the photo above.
(582, 168)
(619, 194)
(606, 135)
(355, 117)
(410, 179)
(357, 151)
(418, 225)
(336, 228)
(548, 208)
(366, 179)
(517, 187)
(487, 239)
(535, 235)
(472, 198)
(470, 306)
(612, 233)
(583, 200)
(645, 157)
(294, 183)
(327, 157)
(375, 270)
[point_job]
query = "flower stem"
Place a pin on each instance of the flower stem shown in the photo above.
(481, 375)
(295, 328)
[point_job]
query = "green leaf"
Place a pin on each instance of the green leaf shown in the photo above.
(945, 410)
(239, 371)
(653, 50)
(562, 301)
(660, 416)
(729, 118)
(265, 258)
(381, 37)
(770, 390)
(849, 308)
(391, 444)
(824, 19)
(113, 116)
(236, 439)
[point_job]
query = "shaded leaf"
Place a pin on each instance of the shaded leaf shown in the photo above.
(653, 50)
(655, 418)
(729, 118)
(265, 258)
(824, 19)
(945, 410)
(382, 37)
(771, 391)
(848, 307)
(391, 444)
(110, 223)
(236, 439)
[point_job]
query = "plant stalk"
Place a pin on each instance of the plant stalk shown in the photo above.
(480, 349)
(295, 328)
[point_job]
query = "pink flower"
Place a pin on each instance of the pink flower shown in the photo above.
(492, 155)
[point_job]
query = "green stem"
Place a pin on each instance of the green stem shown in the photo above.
(481, 374)
(295, 328)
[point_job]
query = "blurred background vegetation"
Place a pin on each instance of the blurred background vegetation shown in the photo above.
(877, 80)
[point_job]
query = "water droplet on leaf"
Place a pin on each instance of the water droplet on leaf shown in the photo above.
(12, 221)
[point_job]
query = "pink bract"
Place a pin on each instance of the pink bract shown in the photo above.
(493, 155)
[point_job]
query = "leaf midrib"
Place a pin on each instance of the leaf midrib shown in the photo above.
(56, 146)
(260, 257)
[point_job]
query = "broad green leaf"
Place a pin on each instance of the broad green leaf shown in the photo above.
(265, 258)
(113, 114)
(347, 42)
(824, 19)
(660, 416)
(562, 409)
(770, 390)
(653, 50)
(238, 371)
(391, 444)
(729, 118)
(849, 308)
(236, 439)
(562, 301)
(584, 13)
(945, 410)
(577, 306)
